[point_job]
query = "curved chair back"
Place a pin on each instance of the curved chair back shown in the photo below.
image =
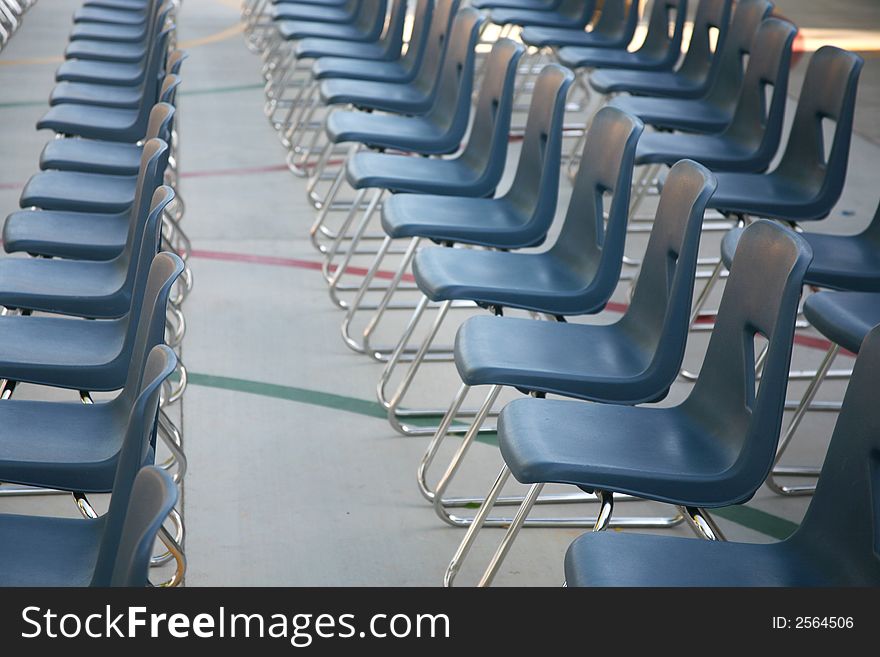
(535, 186)
(153, 73)
(744, 26)
(370, 19)
(761, 297)
(392, 37)
(828, 92)
(452, 105)
(700, 63)
(152, 498)
(657, 320)
(579, 11)
(168, 91)
(756, 126)
(587, 242)
(617, 22)
(135, 447)
(486, 150)
(418, 41)
(661, 43)
(841, 523)
(428, 78)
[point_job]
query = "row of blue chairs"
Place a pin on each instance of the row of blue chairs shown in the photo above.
(11, 16)
(421, 135)
(90, 309)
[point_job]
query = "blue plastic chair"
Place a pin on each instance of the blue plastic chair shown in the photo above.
(714, 112)
(614, 28)
(401, 69)
(568, 14)
(540, 5)
(108, 16)
(714, 449)
(441, 129)
(341, 14)
(114, 51)
(835, 544)
(420, 95)
(805, 185)
(367, 27)
(751, 140)
(698, 70)
(384, 47)
(659, 52)
(114, 548)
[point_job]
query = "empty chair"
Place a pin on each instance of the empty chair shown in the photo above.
(715, 110)
(714, 449)
(614, 28)
(568, 14)
(366, 26)
(835, 544)
(698, 69)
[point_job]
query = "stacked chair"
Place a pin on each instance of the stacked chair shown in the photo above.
(90, 309)
(11, 15)
(422, 135)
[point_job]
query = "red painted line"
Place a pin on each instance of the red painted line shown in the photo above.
(11, 185)
(240, 171)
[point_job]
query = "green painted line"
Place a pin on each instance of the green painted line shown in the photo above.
(759, 521)
(746, 516)
(183, 92)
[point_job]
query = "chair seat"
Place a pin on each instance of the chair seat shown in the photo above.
(126, 5)
(675, 114)
(842, 262)
(292, 12)
(101, 95)
(481, 221)
(405, 133)
(353, 69)
(319, 3)
(644, 83)
(106, 51)
(103, 123)
(644, 560)
(108, 73)
(82, 457)
(382, 96)
(640, 450)
(559, 37)
(66, 234)
(79, 192)
(418, 175)
(45, 551)
(68, 287)
(314, 48)
(765, 195)
(92, 156)
(716, 152)
(845, 318)
(593, 362)
(108, 16)
(539, 5)
(63, 352)
(295, 30)
(111, 33)
(574, 57)
(532, 17)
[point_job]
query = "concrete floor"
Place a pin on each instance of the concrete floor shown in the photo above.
(293, 478)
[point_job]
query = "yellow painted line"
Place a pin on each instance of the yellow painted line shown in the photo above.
(31, 61)
(228, 33)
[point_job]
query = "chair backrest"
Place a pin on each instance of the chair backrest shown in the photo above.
(370, 18)
(842, 522)
(161, 120)
(428, 78)
(452, 102)
(152, 498)
(579, 11)
(148, 98)
(828, 92)
(418, 40)
(760, 298)
(535, 185)
(700, 63)
(617, 21)
(586, 242)
(744, 25)
(662, 43)
(659, 313)
(135, 446)
(146, 320)
(486, 150)
(168, 91)
(756, 125)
